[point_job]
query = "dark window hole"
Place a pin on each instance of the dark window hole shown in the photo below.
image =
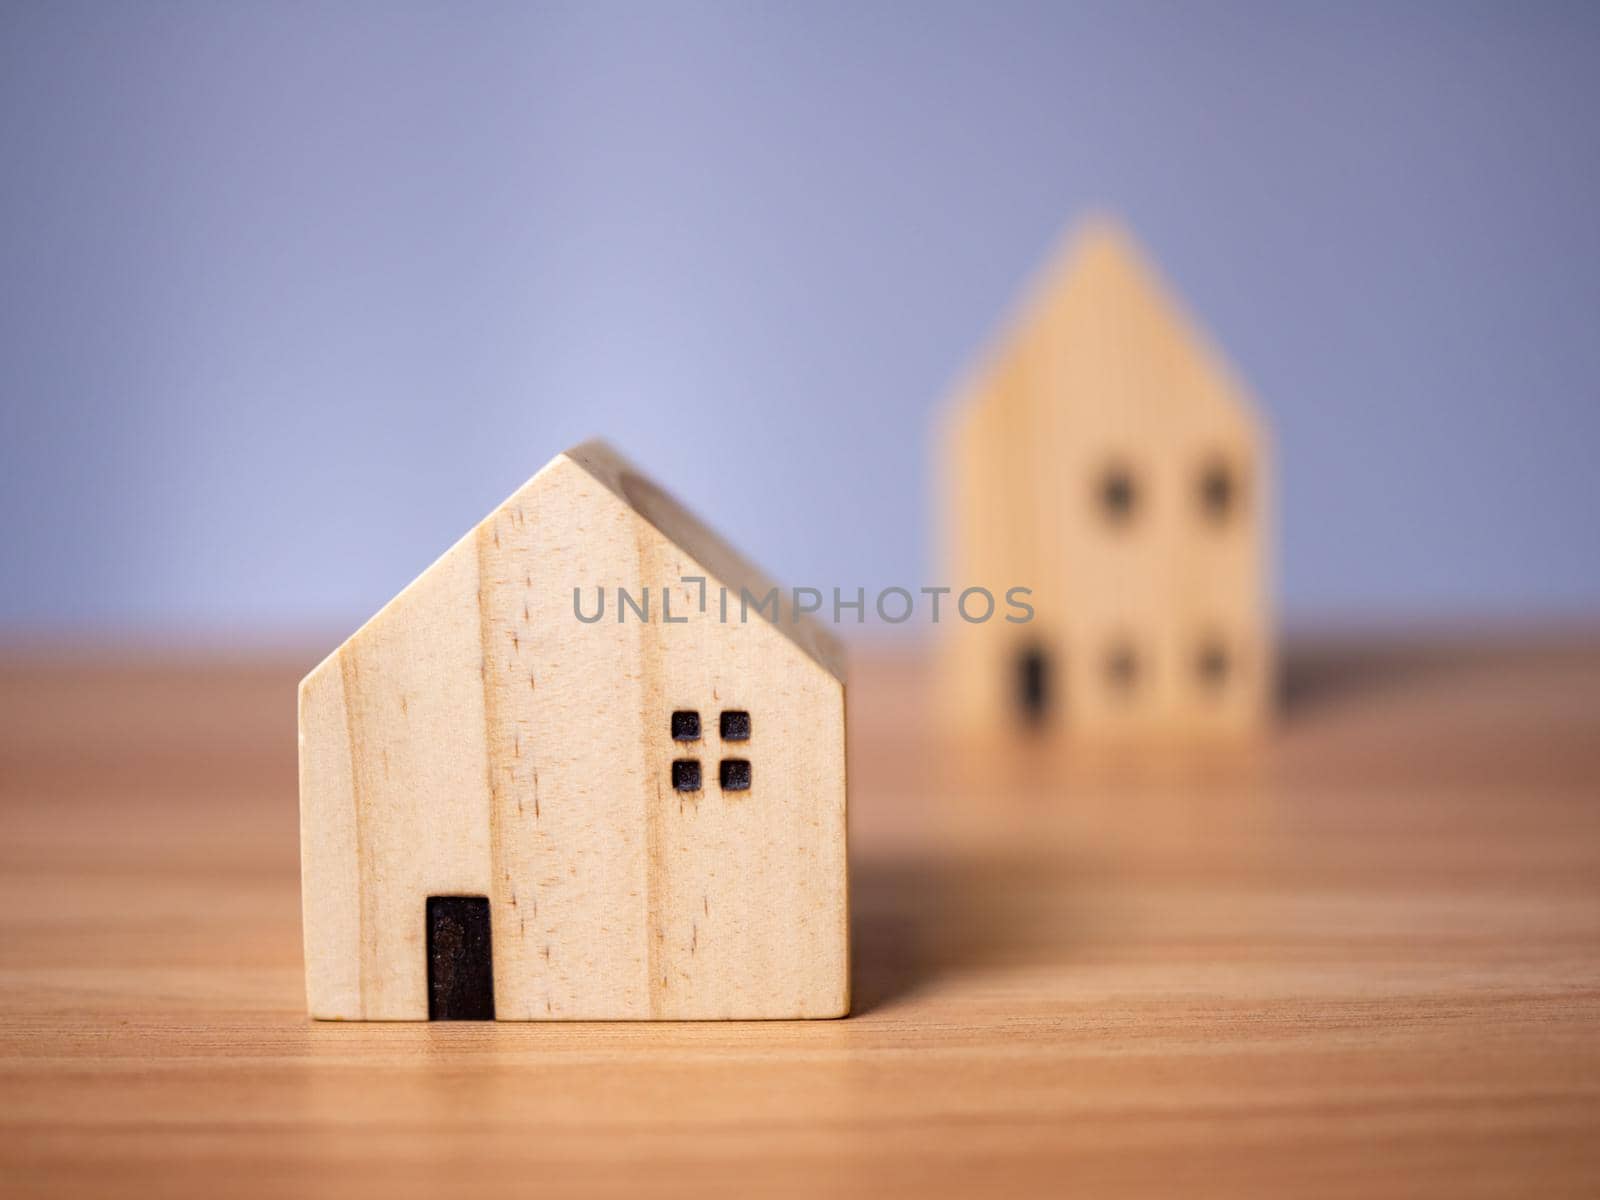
(1122, 667)
(1219, 492)
(1119, 494)
(686, 775)
(1213, 665)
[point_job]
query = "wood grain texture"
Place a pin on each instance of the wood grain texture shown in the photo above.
(1105, 457)
(1361, 959)
(477, 738)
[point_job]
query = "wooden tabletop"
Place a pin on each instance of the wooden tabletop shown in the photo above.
(1361, 958)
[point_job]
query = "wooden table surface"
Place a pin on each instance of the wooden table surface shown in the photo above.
(1362, 958)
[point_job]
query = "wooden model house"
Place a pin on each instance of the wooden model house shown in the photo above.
(511, 811)
(1106, 458)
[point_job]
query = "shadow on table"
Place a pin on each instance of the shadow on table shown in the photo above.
(915, 921)
(1332, 675)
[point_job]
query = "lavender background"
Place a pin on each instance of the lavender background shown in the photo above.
(290, 294)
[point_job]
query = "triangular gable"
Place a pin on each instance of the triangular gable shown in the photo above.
(724, 565)
(1101, 296)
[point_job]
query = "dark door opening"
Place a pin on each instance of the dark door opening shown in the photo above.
(1033, 685)
(460, 959)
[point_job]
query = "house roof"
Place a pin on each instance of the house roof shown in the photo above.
(1100, 295)
(620, 480)
(723, 564)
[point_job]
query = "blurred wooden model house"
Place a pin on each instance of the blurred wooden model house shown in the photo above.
(510, 812)
(1106, 458)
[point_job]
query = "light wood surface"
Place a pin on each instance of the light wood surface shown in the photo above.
(1106, 457)
(477, 738)
(1361, 959)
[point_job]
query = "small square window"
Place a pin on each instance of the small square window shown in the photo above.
(1119, 494)
(1212, 664)
(685, 725)
(686, 774)
(1122, 666)
(736, 774)
(736, 726)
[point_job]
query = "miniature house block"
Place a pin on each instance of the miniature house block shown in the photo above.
(510, 812)
(1106, 458)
